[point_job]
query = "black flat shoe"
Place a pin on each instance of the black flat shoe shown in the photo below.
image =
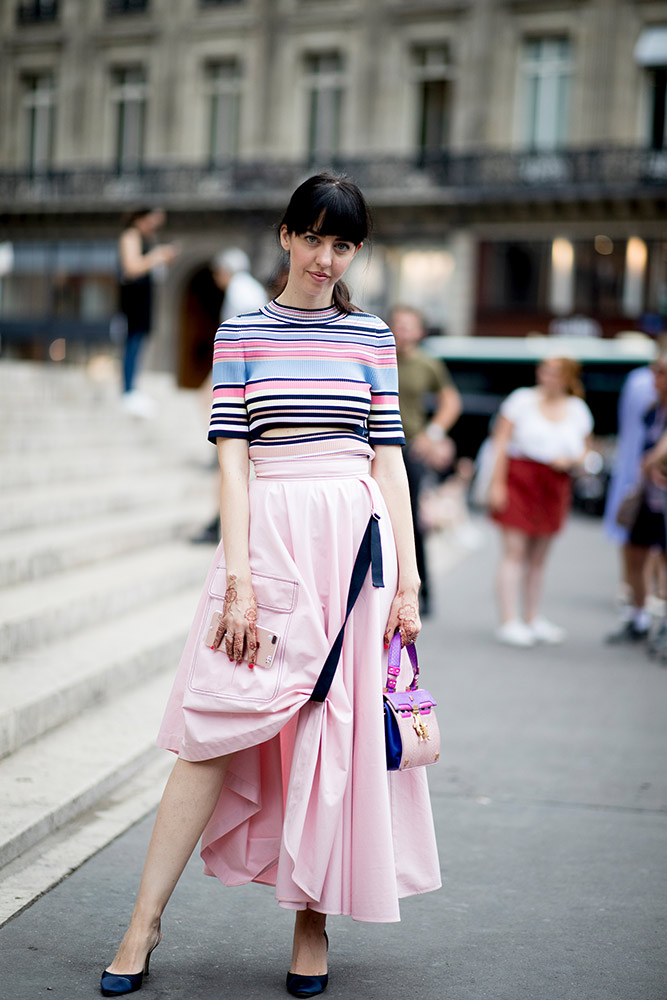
(113, 985)
(307, 986)
(627, 633)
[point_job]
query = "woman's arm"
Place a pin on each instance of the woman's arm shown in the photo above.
(432, 444)
(388, 470)
(449, 408)
(239, 617)
(502, 434)
(134, 263)
(655, 456)
(571, 464)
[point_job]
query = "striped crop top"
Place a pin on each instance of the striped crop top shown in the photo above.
(333, 373)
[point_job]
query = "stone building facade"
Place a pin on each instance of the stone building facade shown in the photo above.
(514, 153)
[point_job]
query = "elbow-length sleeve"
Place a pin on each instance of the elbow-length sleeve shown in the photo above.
(229, 416)
(384, 419)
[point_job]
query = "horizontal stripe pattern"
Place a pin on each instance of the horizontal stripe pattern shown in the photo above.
(331, 373)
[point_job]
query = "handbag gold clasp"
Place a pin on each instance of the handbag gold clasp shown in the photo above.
(419, 727)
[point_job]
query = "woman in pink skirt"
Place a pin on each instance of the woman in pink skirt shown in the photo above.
(282, 789)
(540, 435)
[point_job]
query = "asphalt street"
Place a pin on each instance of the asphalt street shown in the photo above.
(550, 803)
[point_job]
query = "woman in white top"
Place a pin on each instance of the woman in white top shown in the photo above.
(540, 435)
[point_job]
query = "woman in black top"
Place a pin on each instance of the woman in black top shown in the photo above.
(138, 259)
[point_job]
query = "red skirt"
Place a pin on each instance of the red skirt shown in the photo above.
(538, 498)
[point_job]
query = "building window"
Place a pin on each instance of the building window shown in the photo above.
(32, 11)
(651, 54)
(126, 7)
(324, 82)
(658, 107)
(129, 96)
(223, 80)
(514, 277)
(39, 102)
(546, 69)
(432, 70)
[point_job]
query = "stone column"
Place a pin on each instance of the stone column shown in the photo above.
(463, 245)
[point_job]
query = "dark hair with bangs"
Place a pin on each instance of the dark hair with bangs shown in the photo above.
(331, 206)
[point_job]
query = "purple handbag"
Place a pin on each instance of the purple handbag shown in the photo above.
(412, 734)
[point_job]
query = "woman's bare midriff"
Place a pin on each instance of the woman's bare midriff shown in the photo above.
(278, 432)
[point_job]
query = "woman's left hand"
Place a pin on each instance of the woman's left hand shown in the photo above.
(404, 617)
(562, 464)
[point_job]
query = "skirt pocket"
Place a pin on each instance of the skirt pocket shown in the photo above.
(212, 674)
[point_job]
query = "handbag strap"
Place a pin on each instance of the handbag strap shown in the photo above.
(369, 554)
(394, 664)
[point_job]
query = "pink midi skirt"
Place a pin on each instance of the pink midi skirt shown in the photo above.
(307, 804)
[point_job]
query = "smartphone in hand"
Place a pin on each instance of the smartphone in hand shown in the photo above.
(267, 641)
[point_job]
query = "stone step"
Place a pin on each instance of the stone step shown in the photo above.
(51, 860)
(38, 553)
(50, 383)
(45, 390)
(41, 689)
(77, 427)
(97, 601)
(98, 464)
(49, 782)
(37, 507)
(40, 612)
(73, 436)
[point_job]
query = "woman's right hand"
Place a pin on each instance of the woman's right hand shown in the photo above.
(497, 497)
(167, 252)
(237, 631)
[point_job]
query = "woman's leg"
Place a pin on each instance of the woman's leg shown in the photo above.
(309, 952)
(133, 346)
(511, 572)
(187, 804)
(537, 552)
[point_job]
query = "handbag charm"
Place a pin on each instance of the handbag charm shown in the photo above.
(412, 734)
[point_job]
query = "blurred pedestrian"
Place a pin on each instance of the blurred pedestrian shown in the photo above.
(430, 405)
(540, 435)
(243, 294)
(637, 395)
(286, 789)
(646, 529)
(140, 257)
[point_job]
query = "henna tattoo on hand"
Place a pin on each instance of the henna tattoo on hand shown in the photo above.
(231, 594)
(235, 631)
(251, 614)
(408, 623)
(219, 635)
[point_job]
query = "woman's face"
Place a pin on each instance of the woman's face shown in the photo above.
(150, 223)
(550, 377)
(317, 262)
(407, 329)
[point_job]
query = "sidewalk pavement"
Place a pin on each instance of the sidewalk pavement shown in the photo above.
(551, 810)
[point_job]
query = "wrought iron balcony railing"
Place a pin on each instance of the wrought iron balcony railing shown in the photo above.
(458, 178)
(126, 7)
(36, 11)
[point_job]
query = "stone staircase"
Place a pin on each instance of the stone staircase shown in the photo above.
(98, 586)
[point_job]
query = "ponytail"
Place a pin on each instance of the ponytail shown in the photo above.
(341, 298)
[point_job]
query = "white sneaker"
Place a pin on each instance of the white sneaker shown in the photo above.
(515, 633)
(546, 632)
(138, 405)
